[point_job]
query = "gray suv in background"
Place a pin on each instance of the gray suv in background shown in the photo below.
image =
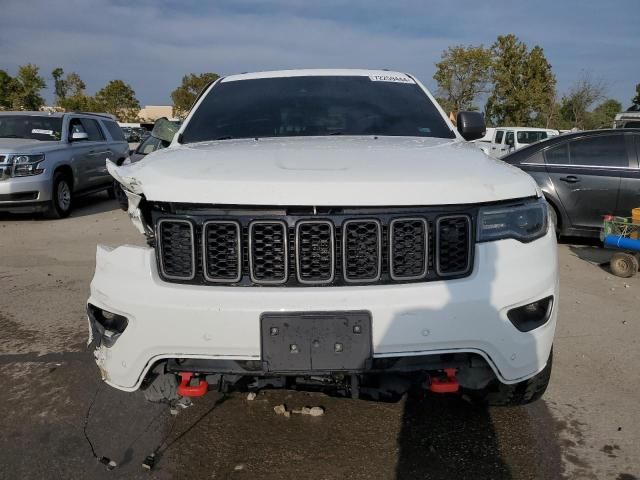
(48, 159)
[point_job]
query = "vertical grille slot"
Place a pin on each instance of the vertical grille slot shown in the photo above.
(362, 250)
(408, 248)
(315, 251)
(221, 251)
(453, 238)
(176, 249)
(268, 252)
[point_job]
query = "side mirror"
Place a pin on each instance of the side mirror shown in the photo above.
(471, 125)
(509, 141)
(164, 129)
(75, 136)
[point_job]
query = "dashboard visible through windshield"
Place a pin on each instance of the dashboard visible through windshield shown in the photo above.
(34, 127)
(315, 106)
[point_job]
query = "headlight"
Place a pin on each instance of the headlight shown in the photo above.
(524, 222)
(26, 165)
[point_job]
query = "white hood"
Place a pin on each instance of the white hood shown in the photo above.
(325, 171)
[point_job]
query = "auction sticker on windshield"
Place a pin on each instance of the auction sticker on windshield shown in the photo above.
(391, 78)
(38, 131)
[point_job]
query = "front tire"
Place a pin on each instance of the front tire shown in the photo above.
(502, 395)
(61, 202)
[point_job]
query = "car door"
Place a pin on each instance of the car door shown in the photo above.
(79, 155)
(496, 144)
(509, 143)
(97, 154)
(629, 196)
(585, 173)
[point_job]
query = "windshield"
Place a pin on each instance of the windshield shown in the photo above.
(34, 127)
(315, 105)
(531, 137)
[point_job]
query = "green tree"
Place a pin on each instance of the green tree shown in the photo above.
(117, 98)
(603, 115)
(59, 88)
(523, 84)
(69, 91)
(7, 88)
(192, 84)
(636, 100)
(462, 74)
(28, 84)
(575, 105)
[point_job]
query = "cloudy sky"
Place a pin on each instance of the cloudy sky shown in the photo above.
(151, 44)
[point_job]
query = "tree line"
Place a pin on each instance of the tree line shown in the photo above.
(516, 81)
(520, 88)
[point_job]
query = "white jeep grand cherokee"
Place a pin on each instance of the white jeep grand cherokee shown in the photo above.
(328, 230)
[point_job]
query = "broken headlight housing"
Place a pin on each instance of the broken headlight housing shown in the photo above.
(524, 222)
(26, 165)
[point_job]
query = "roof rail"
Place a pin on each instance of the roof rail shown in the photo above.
(105, 115)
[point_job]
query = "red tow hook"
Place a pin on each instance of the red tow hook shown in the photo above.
(186, 390)
(448, 384)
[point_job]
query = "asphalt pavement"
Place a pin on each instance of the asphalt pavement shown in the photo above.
(587, 426)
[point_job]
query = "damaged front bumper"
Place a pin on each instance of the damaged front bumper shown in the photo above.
(209, 323)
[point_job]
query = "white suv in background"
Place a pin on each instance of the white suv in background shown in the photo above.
(329, 230)
(509, 139)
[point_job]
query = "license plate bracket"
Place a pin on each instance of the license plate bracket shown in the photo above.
(316, 341)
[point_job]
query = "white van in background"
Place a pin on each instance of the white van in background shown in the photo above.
(484, 143)
(509, 139)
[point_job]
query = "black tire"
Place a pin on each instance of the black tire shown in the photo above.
(111, 192)
(624, 264)
(502, 395)
(120, 196)
(160, 386)
(61, 202)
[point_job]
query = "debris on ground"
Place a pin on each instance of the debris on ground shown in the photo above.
(181, 403)
(280, 409)
(238, 467)
(313, 411)
(251, 396)
(149, 461)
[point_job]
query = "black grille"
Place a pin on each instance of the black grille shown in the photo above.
(453, 245)
(222, 254)
(408, 248)
(362, 256)
(268, 252)
(17, 197)
(177, 258)
(335, 247)
(315, 251)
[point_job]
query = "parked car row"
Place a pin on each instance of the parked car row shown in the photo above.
(135, 134)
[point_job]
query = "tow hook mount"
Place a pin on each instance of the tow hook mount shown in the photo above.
(191, 386)
(447, 384)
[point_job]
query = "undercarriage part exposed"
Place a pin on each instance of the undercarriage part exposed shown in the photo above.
(387, 379)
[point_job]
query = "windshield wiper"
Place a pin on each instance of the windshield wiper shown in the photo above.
(225, 137)
(10, 136)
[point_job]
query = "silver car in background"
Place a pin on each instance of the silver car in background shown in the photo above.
(48, 159)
